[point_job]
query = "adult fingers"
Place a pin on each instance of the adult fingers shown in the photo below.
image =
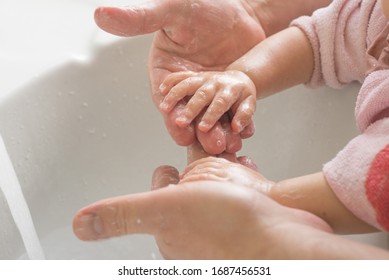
(182, 136)
(133, 20)
(195, 152)
(233, 140)
(147, 213)
(214, 141)
(165, 213)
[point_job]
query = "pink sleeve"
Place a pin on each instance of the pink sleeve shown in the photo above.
(340, 35)
(337, 35)
(359, 174)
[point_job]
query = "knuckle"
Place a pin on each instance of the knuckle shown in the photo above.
(247, 110)
(122, 222)
(222, 102)
(173, 95)
(202, 95)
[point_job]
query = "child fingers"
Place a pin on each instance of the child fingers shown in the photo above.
(244, 114)
(178, 92)
(248, 131)
(233, 140)
(201, 177)
(210, 161)
(173, 79)
(201, 99)
(222, 102)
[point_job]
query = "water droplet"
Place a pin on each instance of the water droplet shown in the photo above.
(120, 50)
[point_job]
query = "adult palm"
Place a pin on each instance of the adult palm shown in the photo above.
(190, 35)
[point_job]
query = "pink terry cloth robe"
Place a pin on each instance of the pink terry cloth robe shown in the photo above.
(350, 39)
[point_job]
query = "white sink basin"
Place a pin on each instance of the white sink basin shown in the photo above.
(82, 132)
(79, 130)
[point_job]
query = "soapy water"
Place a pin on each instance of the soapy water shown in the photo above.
(20, 212)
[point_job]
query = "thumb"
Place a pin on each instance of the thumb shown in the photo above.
(134, 20)
(141, 213)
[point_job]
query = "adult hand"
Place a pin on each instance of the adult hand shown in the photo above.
(201, 220)
(190, 35)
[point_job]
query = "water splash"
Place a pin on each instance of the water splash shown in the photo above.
(10, 186)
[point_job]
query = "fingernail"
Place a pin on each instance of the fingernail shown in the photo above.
(239, 126)
(203, 126)
(89, 227)
(182, 120)
(162, 88)
(164, 106)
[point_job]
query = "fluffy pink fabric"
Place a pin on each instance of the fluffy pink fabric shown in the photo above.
(349, 42)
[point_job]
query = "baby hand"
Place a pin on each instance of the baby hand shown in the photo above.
(214, 92)
(222, 170)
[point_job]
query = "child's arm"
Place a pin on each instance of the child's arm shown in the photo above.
(279, 62)
(310, 193)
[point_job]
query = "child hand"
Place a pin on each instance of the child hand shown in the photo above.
(222, 170)
(214, 92)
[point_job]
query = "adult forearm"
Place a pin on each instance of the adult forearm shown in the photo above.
(276, 15)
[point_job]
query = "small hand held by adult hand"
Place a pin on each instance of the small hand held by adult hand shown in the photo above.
(198, 220)
(239, 172)
(197, 35)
